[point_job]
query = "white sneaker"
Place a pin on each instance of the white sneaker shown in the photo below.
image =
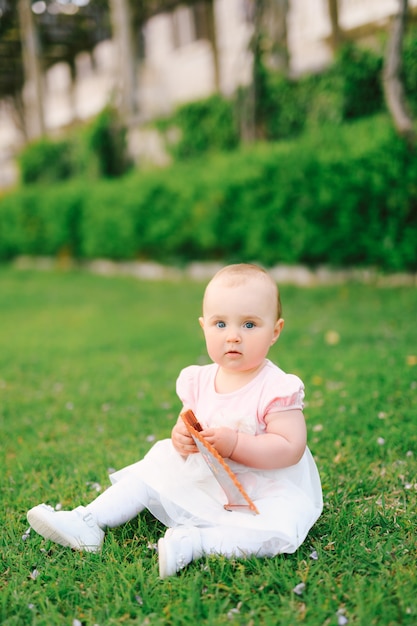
(73, 529)
(177, 548)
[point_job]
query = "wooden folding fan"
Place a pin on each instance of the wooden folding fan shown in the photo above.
(238, 499)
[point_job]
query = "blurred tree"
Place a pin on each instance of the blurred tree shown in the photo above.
(269, 52)
(273, 34)
(393, 83)
(35, 120)
(123, 34)
(336, 38)
(11, 65)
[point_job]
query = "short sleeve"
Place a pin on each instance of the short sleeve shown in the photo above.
(186, 386)
(289, 396)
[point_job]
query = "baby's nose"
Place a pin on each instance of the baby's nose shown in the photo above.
(233, 335)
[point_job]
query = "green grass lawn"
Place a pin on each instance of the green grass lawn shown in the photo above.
(87, 382)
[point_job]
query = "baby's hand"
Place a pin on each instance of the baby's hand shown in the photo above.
(223, 439)
(182, 440)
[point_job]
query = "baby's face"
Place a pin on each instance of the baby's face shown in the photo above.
(239, 323)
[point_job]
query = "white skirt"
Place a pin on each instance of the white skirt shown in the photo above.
(184, 492)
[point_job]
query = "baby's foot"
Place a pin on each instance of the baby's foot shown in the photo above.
(177, 548)
(73, 529)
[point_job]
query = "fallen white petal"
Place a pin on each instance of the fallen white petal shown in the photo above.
(342, 620)
(298, 589)
(26, 534)
(34, 574)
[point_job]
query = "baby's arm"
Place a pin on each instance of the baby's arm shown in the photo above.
(282, 444)
(181, 439)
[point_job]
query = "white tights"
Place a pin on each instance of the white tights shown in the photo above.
(127, 498)
(119, 503)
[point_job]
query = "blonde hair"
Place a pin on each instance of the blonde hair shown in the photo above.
(239, 273)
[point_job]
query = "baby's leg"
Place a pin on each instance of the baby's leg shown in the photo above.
(241, 542)
(183, 544)
(83, 528)
(119, 503)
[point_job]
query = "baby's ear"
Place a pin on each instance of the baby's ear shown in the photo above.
(279, 325)
(201, 322)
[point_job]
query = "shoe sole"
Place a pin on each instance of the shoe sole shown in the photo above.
(166, 562)
(42, 526)
(162, 564)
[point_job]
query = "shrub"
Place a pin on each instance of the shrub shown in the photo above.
(106, 140)
(199, 127)
(322, 95)
(46, 161)
(93, 151)
(360, 69)
(282, 108)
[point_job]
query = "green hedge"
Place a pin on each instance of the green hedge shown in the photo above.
(342, 196)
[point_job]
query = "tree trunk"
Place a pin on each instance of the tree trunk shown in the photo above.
(393, 85)
(211, 27)
(269, 49)
(33, 91)
(123, 34)
(336, 38)
(274, 32)
(247, 104)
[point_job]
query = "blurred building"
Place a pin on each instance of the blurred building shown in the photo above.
(179, 65)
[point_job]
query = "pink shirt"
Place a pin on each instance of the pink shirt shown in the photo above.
(245, 409)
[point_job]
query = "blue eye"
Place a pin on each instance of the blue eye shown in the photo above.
(220, 324)
(249, 325)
